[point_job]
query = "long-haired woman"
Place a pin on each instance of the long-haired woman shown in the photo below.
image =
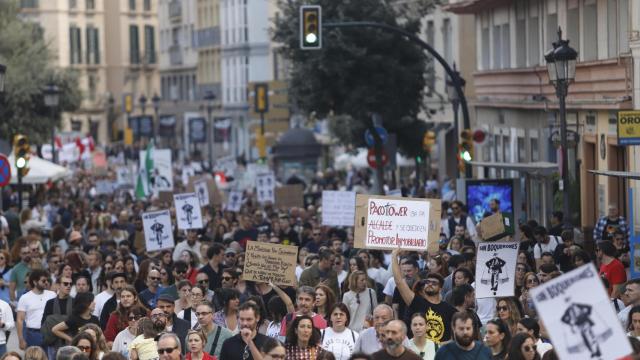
(191, 258)
(497, 337)
(508, 310)
(81, 314)
(195, 344)
(118, 319)
(634, 322)
(184, 295)
(325, 298)
(195, 297)
(530, 281)
(86, 344)
(145, 266)
(419, 344)
(126, 336)
(523, 347)
(96, 332)
(228, 316)
(360, 299)
(303, 340)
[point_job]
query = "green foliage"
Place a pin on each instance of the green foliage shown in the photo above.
(359, 71)
(29, 68)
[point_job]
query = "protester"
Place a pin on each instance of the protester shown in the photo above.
(523, 347)
(169, 347)
(532, 327)
(98, 336)
(497, 338)
(272, 349)
(395, 332)
(303, 339)
(360, 299)
(248, 339)
(144, 346)
(338, 338)
(324, 301)
(86, 344)
(83, 306)
(125, 337)
(463, 345)
(118, 320)
(31, 308)
(420, 344)
(195, 342)
(215, 335)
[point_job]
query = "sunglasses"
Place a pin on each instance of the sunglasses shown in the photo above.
(167, 350)
(86, 349)
(226, 278)
(317, 234)
(528, 348)
(154, 278)
(135, 317)
(66, 283)
(206, 281)
(501, 308)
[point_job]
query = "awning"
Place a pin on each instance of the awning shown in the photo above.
(40, 171)
(533, 168)
(622, 174)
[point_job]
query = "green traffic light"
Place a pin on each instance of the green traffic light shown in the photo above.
(419, 159)
(465, 155)
(21, 162)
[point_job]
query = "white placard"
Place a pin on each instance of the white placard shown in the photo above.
(105, 187)
(395, 192)
(161, 176)
(124, 176)
(200, 187)
(158, 234)
(579, 316)
(235, 201)
(188, 211)
(338, 208)
(396, 223)
(265, 187)
(188, 171)
(496, 269)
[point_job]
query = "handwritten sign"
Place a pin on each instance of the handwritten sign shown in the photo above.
(496, 269)
(158, 234)
(578, 315)
(266, 262)
(338, 208)
(289, 196)
(384, 222)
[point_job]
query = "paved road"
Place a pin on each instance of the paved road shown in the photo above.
(13, 345)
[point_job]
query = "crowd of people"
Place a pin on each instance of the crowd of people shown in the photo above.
(78, 282)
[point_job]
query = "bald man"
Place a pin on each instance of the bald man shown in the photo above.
(395, 333)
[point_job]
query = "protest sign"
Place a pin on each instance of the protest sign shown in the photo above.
(235, 201)
(289, 196)
(211, 194)
(496, 269)
(158, 234)
(578, 315)
(188, 211)
(160, 175)
(105, 187)
(384, 222)
(265, 187)
(338, 208)
(200, 188)
(266, 262)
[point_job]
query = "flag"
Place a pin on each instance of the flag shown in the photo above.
(143, 183)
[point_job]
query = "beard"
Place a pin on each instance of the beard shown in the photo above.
(159, 326)
(392, 344)
(464, 340)
(431, 292)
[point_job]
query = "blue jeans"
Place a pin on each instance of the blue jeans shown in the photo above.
(33, 338)
(3, 349)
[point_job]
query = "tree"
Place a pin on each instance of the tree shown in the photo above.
(29, 68)
(360, 71)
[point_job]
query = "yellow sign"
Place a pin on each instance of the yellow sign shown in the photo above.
(128, 103)
(629, 128)
(128, 136)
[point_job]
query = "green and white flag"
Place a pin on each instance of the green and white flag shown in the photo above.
(143, 184)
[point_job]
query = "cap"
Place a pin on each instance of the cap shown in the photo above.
(230, 251)
(166, 297)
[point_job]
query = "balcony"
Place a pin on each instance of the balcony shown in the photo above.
(603, 84)
(175, 11)
(175, 55)
(208, 37)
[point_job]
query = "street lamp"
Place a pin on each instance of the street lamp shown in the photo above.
(52, 100)
(561, 66)
(143, 103)
(454, 98)
(210, 97)
(3, 71)
(155, 100)
(110, 104)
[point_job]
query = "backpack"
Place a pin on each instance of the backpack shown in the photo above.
(48, 337)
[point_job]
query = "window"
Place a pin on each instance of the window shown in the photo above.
(30, 4)
(522, 152)
(573, 24)
(431, 70)
(590, 15)
(552, 22)
(521, 34)
(146, 5)
(446, 40)
(90, 4)
(73, 4)
(75, 45)
(535, 151)
(501, 39)
(623, 18)
(134, 45)
(150, 44)
(506, 46)
(93, 85)
(132, 5)
(93, 45)
(486, 41)
(612, 28)
(533, 44)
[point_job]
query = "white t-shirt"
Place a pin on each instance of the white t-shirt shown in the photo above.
(390, 287)
(100, 300)
(340, 344)
(33, 306)
(543, 347)
(539, 248)
(6, 315)
(122, 341)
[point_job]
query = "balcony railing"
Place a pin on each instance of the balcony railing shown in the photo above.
(175, 10)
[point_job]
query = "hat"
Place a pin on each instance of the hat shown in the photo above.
(230, 251)
(166, 297)
(75, 236)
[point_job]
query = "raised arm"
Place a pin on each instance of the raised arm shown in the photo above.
(401, 284)
(285, 298)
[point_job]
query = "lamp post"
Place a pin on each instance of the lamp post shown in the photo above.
(3, 71)
(210, 97)
(52, 100)
(561, 66)
(142, 100)
(110, 111)
(454, 98)
(155, 100)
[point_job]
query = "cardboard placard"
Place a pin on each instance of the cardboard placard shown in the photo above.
(386, 222)
(496, 269)
(577, 312)
(338, 208)
(215, 196)
(289, 196)
(166, 197)
(496, 226)
(158, 233)
(266, 262)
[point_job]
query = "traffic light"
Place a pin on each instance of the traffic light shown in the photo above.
(428, 140)
(22, 154)
(310, 27)
(466, 145)
(261, 98)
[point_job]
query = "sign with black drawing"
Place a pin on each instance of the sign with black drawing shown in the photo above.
(578, 315)
(200, 188)
(496, 269)
(265, 187)
(188, 211)
(235, 201)
(158, 234)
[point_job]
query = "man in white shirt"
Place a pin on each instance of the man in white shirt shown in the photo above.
(103, 297)
(631, 298)
(191, 243)
(543, 244)
(6, 324)
(31, 308)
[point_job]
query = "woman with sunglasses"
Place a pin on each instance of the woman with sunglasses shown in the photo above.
(86, 344)
(497, 337)
(521, 270)
(118, 319)
(82, 314)
(166, 277)
(126, 336)
(195, 297)
(360, 299)
(195, 343)
(303, 340)
(530, 281)
(324, 301)
(523, 347)
(508, 310)
(98, 336)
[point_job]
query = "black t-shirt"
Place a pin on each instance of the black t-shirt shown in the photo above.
(234, 347)
(75, 322)
(215, 278)
(438, 317)
(242, 236)
(384, 355)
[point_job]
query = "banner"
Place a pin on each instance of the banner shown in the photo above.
(384, 222)
(161, 174)
(235, 201)
(266, 262)
(579, 317)
(288, 196)
(105, 187)
(265, 187)
(338, 208)
(188, 211)
(158, 234)
(167, 126)
(197, 130)
(496, 269)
